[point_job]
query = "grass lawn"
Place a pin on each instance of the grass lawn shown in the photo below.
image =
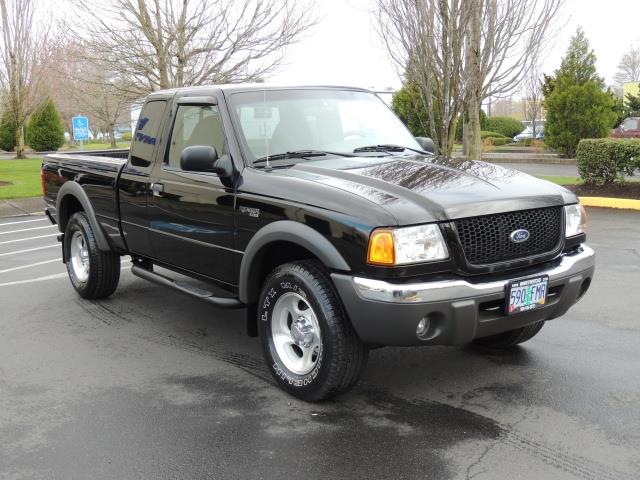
(23, 177)
(98, 146)
(561, 180)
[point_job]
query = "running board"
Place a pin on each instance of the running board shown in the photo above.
(200, 294)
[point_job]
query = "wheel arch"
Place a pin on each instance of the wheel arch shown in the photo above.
(302, 239)
(71, 199)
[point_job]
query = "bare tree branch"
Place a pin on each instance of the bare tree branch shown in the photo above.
(629, 67)
(25, 47)
(460, 52)
(157, 44)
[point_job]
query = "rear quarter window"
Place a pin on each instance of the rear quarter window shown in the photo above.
(146, 138)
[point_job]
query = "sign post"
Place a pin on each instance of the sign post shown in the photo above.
(80, 129)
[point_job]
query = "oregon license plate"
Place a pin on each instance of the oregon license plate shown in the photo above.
(527, 294)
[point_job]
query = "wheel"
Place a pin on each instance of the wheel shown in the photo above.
(309, 344)
(511, 338)
(93, 273)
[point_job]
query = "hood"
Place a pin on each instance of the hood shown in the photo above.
(419, 188)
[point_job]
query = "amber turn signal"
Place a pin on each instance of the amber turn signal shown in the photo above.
(381, 249)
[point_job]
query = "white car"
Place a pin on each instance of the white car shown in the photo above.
(528, 133)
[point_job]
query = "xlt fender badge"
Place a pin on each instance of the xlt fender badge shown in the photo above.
(252, 212)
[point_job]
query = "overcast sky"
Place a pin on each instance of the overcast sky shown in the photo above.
(344, 47)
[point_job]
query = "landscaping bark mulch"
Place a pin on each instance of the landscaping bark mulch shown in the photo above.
(627, 190)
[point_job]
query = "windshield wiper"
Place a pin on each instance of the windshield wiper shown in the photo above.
(298, 154)
(386, 148)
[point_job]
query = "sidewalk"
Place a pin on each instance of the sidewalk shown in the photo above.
(21, 206)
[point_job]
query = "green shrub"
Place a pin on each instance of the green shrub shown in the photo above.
(486, 134)
(45, 131)
(604, 161)
(7, 132)
(127, 136)
(505, 126)
(495, 141)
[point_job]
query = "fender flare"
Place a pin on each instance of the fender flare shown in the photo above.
(75, 190)
(288, 231)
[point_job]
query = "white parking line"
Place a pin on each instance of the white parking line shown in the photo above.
(28, 238)
(26, 229)
(6, 270)
(15, 252)
(31, 280)
(42, 279)
(24, 221)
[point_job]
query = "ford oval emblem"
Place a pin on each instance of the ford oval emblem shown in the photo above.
(519, 236)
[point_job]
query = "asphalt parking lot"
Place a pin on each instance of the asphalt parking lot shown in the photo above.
(151, 384)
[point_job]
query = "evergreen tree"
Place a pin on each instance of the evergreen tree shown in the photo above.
(409, 107)
(577, 105)
(632, 103)
(7, 131)
(45, 131)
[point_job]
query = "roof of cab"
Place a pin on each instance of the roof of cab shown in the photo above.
(246, 87)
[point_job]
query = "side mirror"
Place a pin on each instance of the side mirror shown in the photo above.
(426, 144)
(204, 158)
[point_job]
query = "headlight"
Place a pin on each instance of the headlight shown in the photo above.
(402, 246)
(575, 220)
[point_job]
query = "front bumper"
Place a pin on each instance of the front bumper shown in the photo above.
(457, 310)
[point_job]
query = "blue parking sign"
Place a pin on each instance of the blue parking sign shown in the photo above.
(80, 128)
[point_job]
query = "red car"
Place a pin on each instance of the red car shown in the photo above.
(630, 128)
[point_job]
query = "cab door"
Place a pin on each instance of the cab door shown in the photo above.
(191, 219)
(134, 180)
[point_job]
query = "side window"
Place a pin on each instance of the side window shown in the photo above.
(630, 124)
(195, 125)
(146, 136)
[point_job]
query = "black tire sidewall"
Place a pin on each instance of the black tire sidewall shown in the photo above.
(78, 223)
(286, 280)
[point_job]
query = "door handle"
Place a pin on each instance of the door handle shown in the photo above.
(157, 189)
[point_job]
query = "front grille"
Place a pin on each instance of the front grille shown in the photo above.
(486, 239)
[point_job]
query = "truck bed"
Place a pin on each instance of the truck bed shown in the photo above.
(97, 172)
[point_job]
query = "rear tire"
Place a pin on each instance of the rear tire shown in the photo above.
(505, 340)
(308, 342)
(94, 273)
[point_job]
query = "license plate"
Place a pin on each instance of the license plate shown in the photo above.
(527, 294)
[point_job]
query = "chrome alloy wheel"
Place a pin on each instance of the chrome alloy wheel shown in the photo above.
(296, 333)
(79, 256)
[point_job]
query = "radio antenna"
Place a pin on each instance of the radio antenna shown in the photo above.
(264, 122)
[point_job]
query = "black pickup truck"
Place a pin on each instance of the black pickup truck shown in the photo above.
(316, 210)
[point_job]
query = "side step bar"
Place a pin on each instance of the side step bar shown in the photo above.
(205, 296)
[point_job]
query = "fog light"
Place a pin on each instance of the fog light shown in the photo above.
(423, 326)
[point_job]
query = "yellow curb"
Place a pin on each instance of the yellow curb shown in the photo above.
(608, 202)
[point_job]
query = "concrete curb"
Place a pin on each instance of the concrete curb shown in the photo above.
(608, 202)
(21, 206)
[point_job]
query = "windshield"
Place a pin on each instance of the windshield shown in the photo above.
(274, 122)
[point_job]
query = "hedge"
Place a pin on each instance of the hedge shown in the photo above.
(606, 160)
(496, 141)
(505, 126)
(486, 134)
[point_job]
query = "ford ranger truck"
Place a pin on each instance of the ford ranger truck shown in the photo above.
(318, 212)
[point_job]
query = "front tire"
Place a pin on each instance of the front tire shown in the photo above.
(308, 342)
(93, 273)
(510, 339)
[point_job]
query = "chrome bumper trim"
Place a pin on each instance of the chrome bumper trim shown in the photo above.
(381, 291)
